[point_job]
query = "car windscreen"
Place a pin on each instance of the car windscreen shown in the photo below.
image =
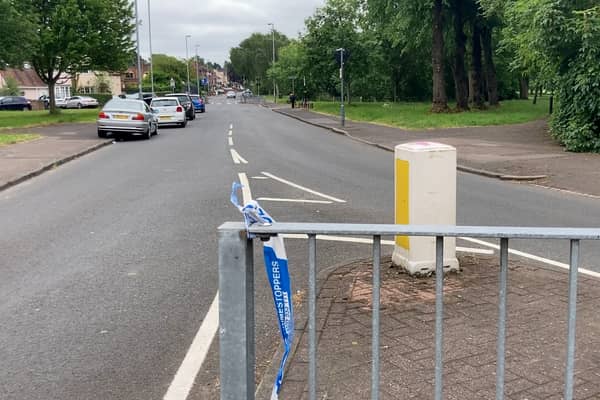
(124, 105)
(182, 99)
(165, 103)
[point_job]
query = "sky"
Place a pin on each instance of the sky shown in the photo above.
(216, 25)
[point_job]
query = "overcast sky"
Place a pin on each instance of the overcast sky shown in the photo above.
(217, 25)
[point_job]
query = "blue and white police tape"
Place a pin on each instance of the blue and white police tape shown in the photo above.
(276, 265)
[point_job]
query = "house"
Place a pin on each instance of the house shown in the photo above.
(30, 84)
(99, 82)
(129, 78)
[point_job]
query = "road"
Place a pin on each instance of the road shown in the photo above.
(108, 263)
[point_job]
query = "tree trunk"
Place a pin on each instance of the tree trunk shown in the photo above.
(490, 68)
(524, 90)
(51, 86)
(476, 75)
(461, 81)
(440, 101)
(536, 90)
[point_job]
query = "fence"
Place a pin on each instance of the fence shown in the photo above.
(236, 295)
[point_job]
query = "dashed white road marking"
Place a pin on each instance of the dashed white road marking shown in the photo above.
(230, 126)
(533, 257)
(303, 188)
(237, 158)
(230, 133)
(230, 141)
(260, 177)
(188, 370)
(348, 239)
(246, 193)
(294, 200)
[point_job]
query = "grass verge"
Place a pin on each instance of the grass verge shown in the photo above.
(418, 116)
(6, 139)
(28, 119)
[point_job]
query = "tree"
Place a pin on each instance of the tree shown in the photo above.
(461, 80)
(11, 88)
(16, 35)
(78, 35)
(164, 68)
(440, 101)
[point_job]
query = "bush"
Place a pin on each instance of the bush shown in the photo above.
(102, 98)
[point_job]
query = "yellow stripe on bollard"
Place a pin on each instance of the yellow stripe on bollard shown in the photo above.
(402, 199)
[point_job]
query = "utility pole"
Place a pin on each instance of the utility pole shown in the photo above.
(342, 112)
(137, 40)
(197, 71)
(150, 38)
(273, 39)
(187, 61)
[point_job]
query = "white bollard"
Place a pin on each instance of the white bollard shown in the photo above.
(425, 183)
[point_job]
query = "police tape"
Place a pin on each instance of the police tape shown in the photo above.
(276, 265)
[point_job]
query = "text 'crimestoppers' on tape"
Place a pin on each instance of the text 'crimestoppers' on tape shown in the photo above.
(276, 265)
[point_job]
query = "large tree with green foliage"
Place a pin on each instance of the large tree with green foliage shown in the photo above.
(16, 35)
(78, 35)
(251, 59)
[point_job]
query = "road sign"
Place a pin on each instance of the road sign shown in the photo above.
(204, 81)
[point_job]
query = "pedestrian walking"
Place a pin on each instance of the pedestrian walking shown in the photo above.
(293, 99)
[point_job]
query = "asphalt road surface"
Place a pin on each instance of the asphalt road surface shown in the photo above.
(108, 264)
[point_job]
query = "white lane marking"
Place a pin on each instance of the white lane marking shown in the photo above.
(294, 200)
(349, 239)
(237, 158)
(230, 126)
(189, 368)
(533, 257)
(259, 177)
(230, 133)
(303, 188)
(230, 141)
(246, 193)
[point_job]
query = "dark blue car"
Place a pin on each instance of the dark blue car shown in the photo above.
(198, 103)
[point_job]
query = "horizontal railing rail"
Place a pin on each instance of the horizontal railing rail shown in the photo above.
(236, 294)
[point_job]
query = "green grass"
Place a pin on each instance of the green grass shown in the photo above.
(418, 115)
(6, 139)
(28, 119)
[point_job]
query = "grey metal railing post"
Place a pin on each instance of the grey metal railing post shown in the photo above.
(501, 342)
(312, 317)
(236, 315)
(439, 316)
(375, 319)
(572, 321)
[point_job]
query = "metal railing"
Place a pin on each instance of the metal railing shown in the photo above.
(236, 295)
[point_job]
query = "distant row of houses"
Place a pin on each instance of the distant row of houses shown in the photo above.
(32, 87)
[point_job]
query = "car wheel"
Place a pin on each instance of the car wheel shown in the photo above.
(79, 106)
(101, 134)
(183, 124)
(148, 135)
(155, 129)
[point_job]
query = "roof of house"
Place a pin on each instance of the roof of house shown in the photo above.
(24, 77)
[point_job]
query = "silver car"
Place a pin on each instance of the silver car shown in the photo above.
(128, 117)
(81, 102)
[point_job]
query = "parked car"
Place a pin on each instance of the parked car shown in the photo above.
(81, 102)
(199, 103)
(169, 111)
(186, 101)
(127, 117)
(231, 94)
(17, 103)
(61, 102)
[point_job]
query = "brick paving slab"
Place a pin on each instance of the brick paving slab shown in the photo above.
(535, 346)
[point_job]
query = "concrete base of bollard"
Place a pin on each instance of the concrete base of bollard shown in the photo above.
(423, 268)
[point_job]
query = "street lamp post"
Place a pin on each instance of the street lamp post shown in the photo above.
(197, 71)
(342, 112)
(137, 40)
(150, 40)
(273, 39)
(187, 61)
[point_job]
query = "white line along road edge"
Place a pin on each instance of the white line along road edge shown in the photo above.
(188, 370)
(303, 188)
